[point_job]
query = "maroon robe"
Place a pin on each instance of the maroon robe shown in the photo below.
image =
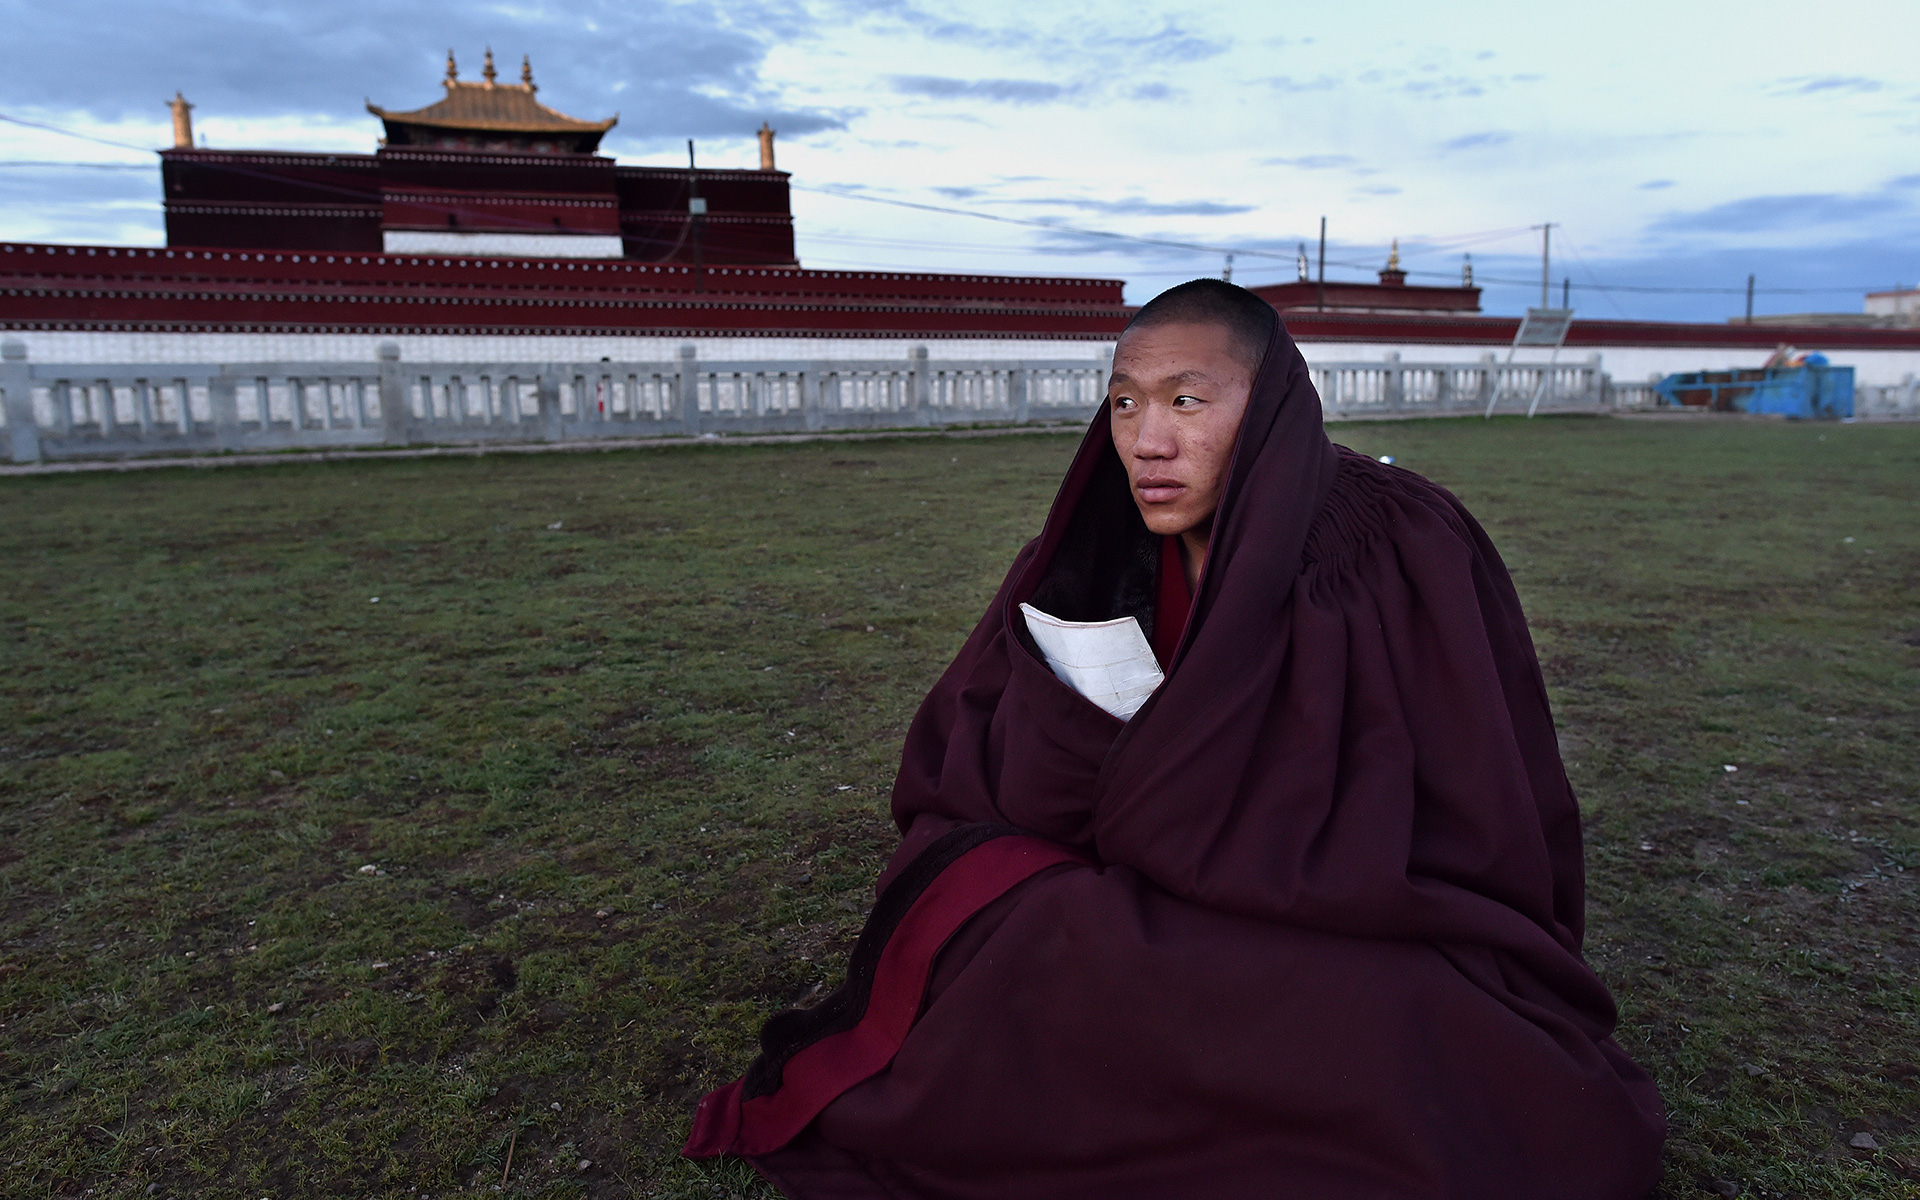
(1308, 925)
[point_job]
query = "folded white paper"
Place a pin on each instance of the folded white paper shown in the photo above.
(1108, 662)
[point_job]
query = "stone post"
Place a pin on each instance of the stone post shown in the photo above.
(810, 399)
(687, 386)
(16, 380)
(918, 386)
(1019, 381)
(223, 399)
(1489, 379)
(1396, 381)
(547, 392)
(396, 407)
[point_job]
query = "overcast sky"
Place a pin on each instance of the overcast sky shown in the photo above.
(1675, 145)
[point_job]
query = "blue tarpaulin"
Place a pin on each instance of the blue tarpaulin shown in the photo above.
(1816, 389)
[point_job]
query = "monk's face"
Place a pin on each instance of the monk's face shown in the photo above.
(1176, 400)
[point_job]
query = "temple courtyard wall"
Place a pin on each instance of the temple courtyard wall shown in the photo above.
(1888, 367)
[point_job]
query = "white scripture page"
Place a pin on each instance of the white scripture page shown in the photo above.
(1108, 662)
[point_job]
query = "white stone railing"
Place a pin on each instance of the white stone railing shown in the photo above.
(1887, 400)
(68, 410)
(76, 410)
(1395, 388)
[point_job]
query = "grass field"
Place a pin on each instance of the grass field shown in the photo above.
(366, 826)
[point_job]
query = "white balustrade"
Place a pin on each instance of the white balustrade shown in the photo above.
(71, 411)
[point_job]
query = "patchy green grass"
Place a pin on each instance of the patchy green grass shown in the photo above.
(307, 895)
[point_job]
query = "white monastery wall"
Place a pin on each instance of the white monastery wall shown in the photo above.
(75, 346)
(1626, 364)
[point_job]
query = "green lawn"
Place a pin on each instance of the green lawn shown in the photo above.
(303, 894)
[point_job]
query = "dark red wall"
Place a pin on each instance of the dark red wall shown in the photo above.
(1305, 295)
(285, 201)
(271, 199)
(108, 287)
(749, 218)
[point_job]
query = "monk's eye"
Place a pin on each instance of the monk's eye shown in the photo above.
(1187, 401)
(1123, 404)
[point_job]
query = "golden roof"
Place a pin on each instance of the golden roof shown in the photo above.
(493, 107)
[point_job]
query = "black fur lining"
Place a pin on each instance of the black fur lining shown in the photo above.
(1108, 563)
(789, 1032)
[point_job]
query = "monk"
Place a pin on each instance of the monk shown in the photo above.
(1238, 859)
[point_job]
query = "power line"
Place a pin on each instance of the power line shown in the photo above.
(84, 166)
(1054, 226)
(85, 137)
(1428, 245)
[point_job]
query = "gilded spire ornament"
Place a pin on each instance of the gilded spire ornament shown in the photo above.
(1393, 256)
(182, 122)
(487, 72)
(526, 73)
(453, 71)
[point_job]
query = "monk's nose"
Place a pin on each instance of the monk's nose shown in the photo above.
(1156, 435)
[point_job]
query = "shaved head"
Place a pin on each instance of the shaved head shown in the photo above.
(1247, 319)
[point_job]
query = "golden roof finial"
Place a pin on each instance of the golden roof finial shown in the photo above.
(1393, 256)
(526, 73)
(487, 72)
(182, 122)
(453, 72)
(766, 146)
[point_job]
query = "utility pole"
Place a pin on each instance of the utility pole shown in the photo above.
(696, 212)
(1546, 237)
(1226, 272)
(1323, 264)
(1749, 299)
(1566, 292)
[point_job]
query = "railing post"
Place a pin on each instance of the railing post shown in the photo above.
(687, 387)
(396, 408)
(225, 403)
(1489, 380)
(547, 397)
(16, 380)
(1020, 383)
(917, 385)
(810, 400)
(1396, 381)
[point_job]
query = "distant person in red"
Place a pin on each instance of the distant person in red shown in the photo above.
(1238, 857)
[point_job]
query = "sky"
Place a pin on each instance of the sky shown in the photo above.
(1675, 147)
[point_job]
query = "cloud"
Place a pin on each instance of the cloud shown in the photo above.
(1169, 43)
(1154, 92)
(73, 204)
(1478, 141)
(1158, 208)
(1654, 185)
(305, 62)
(1811, 85)
(1001, 91)
(1758, 214)
(1139, 207)
(1166, 42)
(1904, 181)
(1287, 83)
(1312, 162)
(1448, 87)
